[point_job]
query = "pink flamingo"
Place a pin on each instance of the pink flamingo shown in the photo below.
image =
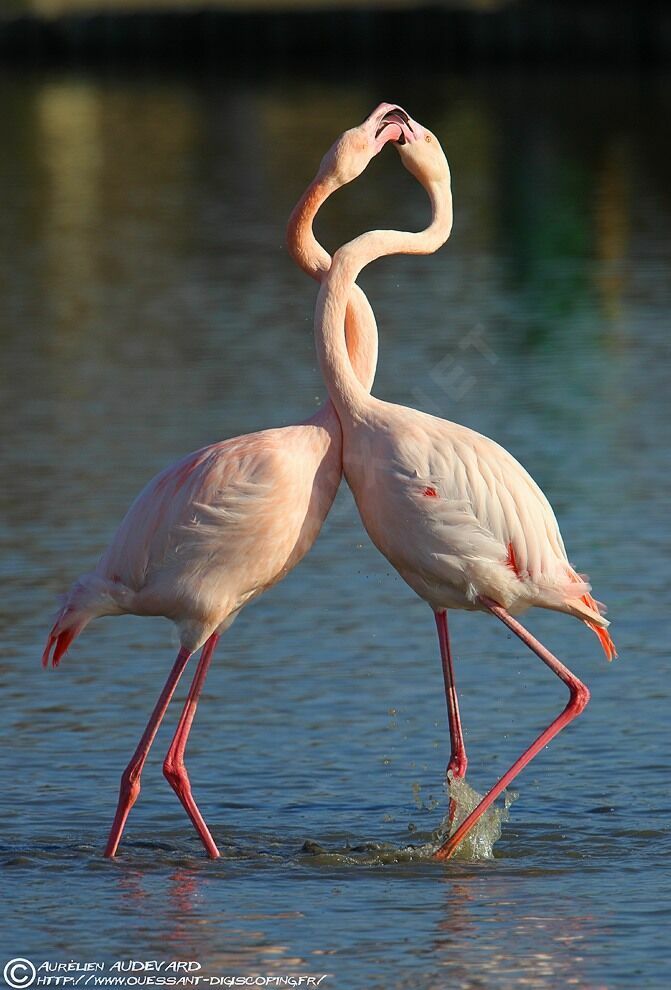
(458, 517)
(213, 531)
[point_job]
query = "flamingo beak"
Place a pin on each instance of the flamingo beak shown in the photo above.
(395, 117)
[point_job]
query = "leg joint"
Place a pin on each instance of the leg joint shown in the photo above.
(130, 782)
(580, 696)
(175, 773)
(457, 765)
(172, 770)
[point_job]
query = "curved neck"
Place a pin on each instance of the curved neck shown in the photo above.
(308, 253)
(303, 246)
(345, 390)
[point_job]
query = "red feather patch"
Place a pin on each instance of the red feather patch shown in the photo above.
(511, 560)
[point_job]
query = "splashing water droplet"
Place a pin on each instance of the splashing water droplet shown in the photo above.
(480, 841)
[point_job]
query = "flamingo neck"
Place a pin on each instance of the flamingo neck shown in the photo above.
(303, 246)
(308, 253)
(345, 390)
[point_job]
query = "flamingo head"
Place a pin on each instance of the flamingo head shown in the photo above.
(353, 151)
(422, 154)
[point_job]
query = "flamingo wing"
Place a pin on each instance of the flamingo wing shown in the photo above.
(483, 522)
(211, 508)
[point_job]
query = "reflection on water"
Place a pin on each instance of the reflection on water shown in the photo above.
(147, 306)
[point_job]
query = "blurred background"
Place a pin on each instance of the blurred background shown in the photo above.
(150, 156)
(407, 31)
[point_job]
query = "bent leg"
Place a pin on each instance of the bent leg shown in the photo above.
(130, 779)
(579, 696)
(173, 765)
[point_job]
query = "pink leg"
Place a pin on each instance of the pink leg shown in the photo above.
(577, 701)
(458, 760)
(130, 779)
(173, 765)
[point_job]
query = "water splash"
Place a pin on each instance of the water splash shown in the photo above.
(480, 841)
(478, 844)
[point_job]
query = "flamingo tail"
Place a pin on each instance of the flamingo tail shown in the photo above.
(591, 612)
(605, 638)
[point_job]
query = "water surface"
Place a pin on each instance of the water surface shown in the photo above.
(148, 306)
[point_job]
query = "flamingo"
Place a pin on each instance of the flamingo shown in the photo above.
(459, 518)
(212, 532)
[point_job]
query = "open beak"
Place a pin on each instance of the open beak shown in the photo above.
(397, 118)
